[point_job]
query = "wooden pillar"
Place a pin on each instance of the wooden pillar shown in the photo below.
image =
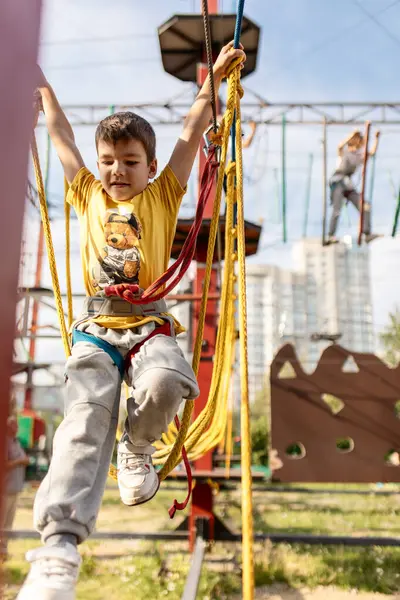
(19, 39)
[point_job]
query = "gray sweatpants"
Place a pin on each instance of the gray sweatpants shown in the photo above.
(69, 497)
(339, 194)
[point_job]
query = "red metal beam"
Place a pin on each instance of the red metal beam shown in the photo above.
(209, 337)
(19, 39)
(35, 318)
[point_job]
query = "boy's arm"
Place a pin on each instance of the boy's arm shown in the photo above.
(248, 141)
(60, 130)
(198, 118)
(375, 146)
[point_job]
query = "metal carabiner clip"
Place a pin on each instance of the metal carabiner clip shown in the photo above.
(208, 142)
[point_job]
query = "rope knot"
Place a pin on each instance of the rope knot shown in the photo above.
(236, 63)
(231, 168)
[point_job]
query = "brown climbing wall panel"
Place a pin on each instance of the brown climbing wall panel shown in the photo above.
(365, 399)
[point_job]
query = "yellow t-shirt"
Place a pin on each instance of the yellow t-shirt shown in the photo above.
(125, 242)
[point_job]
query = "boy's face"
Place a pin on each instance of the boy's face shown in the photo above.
(123, 168)
(357, 142)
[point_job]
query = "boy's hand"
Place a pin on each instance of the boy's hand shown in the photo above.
(198, 118)
(58, 126)
(377, 134)
(226, 57)
(41, 81)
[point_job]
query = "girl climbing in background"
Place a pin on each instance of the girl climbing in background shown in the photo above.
(351, 156)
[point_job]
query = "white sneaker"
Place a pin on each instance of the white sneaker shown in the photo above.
(53, 575)
(137, 479)
(331, 239)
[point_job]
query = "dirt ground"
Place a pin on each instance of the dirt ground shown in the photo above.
(281, 592)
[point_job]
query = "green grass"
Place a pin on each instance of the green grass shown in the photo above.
(133, 569)
(368, 569)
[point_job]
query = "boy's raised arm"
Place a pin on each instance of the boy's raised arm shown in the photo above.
(375, 146)
(198, 118)
(60, 130)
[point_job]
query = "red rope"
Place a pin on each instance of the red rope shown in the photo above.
(182, 505)
(177, 270)
(165, 329)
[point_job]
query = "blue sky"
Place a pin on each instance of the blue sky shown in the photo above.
(95, 51)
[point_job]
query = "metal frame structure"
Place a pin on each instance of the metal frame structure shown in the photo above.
(276, 538)
(173, 111)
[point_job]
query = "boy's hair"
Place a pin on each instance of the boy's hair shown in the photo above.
(127, 126)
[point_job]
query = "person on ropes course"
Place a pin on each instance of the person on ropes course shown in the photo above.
(350, 158)
(127, 228)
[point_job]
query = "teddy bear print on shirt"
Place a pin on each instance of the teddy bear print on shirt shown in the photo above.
(120, 262)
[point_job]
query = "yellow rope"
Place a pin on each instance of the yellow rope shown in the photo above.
(174, 453)
(197, 429)
(212, 411)
(229, 433)
(247, 505)
(49, 246)
(204, 418)
(224, 356)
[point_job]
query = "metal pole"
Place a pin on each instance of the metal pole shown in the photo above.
(193, 579)
(372, 179)
(308, 193)
(277, 197)
(396, 216)
(363, 183)
(324, 182)
(276, 538)
(19, 41)
(236, 42)
(284, 179)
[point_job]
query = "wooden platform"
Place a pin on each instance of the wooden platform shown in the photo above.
(217, 475)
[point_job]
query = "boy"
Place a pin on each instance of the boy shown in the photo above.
(127, 229)
(16, 463)
(351, 156)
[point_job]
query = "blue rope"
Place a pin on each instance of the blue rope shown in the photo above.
(236, 40)
(238, 26)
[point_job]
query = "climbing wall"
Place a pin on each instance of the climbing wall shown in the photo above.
(339, 424)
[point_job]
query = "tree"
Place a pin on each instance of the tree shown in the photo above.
(390, 339)
(260, 425)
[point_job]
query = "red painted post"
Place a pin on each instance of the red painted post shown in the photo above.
(19, 39)
(34, 320)
(202, 499)
(209, 338)
(364, 182)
